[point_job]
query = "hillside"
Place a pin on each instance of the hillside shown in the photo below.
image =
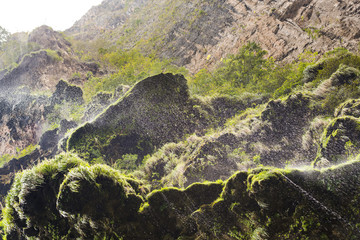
(198, 34)
(184, 120)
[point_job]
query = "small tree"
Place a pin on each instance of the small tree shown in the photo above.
(4, 36)
(246, 67)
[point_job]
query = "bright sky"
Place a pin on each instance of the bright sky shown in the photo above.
(25, 15)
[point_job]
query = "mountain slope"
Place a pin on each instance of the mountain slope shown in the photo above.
(134, 162)
(198, 34)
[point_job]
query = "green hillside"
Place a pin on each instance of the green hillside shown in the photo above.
(147, 120)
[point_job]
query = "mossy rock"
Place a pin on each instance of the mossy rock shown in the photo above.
(196, 159)
(282, 114)
(170, 209)
(310, 73)
(349, 108)
(285, 204)
(65, 198)
(344, 75)
(226, 107)
(68, 93)
(156, 110)
(31, 203)
(208, 162)
(340, 141)
(98, 195)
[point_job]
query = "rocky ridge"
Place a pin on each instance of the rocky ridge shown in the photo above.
(42, 69)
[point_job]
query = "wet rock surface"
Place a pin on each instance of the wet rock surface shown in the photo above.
(155, 111)
(265, 202)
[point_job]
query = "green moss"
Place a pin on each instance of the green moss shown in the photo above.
(54, 55)
(44, 179)
(20, 153)
(257, 176)
(340, 140)
(140, 121)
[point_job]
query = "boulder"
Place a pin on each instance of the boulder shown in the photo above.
(155, 111)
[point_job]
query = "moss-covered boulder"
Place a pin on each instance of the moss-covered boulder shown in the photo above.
(169, 210)
(349, 108)
(155, 111)
(338, 88)
(344, 75)
(226, 106)
(31, 203)
(287, 116)
(340, 141)
(271, 203)
(65, 198)
(99, 202)
(197, 159)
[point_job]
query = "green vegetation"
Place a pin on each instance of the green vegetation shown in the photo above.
(54, 55)
(131, 67)
(313, 32)
(4, 36)
(65, 110)
(20, 153)
(250, 113)
(250, 71)
(14, 48)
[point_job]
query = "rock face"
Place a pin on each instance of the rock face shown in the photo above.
(155, 111)
(293, 130)
(47, 38)
(42, 69)
(110, 14)
(199, 33)
(66, 92)
(21, 122)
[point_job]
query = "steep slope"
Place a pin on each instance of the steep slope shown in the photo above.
(198, 34)
(161, 136)
(110, 14)
(42, 69)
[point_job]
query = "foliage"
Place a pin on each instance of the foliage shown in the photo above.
(20, 153)
(5, 158)
(330, 63)
(65, 110)
(250, 71)
(127, 162)
(4, 36)
(44, 179)
(54, 55)
(131, 66)
(14, 48)
(313, 32)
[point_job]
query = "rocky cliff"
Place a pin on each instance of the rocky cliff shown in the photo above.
(198, 34)
(53, 60)
(109, 15)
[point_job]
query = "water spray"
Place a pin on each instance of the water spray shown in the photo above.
(327, 210)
